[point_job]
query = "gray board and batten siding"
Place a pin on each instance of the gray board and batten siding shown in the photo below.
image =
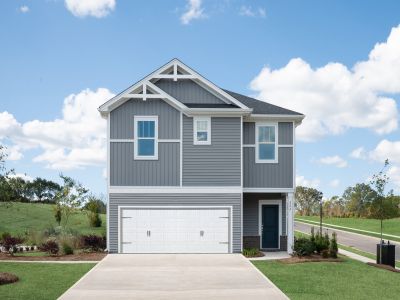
(177, 199)
(268, 175)
(217, 164)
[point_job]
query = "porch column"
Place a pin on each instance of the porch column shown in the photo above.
(290, 221)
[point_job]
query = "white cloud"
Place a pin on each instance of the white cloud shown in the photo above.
(93, 8)
(24, 9)
(394, 176)
(334, 183)
(193, 11)
(302, 181)
(386, 150)
(335, 160)
(359, 153)
(14, 153)
(74, 141)
(248, 11)
(335, 98)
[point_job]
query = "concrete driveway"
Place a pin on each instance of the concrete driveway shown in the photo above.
(174, 276)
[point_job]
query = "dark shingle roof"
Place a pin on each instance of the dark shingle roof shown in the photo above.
(261, 107)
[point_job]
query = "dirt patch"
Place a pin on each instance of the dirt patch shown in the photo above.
(385, 267)
(305, 259)
(6, 278)
(95, 256)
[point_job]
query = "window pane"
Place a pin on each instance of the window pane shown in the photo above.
(202, 136)
(266, 134)
(146, 128)
(202, 125)
(145, 147)
(266, 151)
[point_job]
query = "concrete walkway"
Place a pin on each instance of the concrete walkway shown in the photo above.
(174, 276)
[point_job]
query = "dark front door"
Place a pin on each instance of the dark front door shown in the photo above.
(270, 226)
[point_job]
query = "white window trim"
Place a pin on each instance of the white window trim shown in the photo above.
(145, 118)
(269, 161)
(195, 141)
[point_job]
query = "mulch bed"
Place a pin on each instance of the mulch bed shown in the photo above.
(259, 254)
(95, 256)
(305, 259)
(6, 278)
(385, 267)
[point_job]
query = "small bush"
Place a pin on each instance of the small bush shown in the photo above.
(303, 247)
(10, 242)
(333, 247)
(94, 219)
(321, 242)
(93, 242)
(67, 249)
(252, 252)
(50, 246)
(6, 278)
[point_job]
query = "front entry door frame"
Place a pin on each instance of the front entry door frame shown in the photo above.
(271, 202)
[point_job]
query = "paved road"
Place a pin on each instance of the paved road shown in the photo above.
(361, 242)
(174, 276)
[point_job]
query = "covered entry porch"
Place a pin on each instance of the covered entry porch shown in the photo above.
(268, 221)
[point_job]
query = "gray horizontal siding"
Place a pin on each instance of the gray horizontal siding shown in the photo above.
(251, 213)
(178, 199)
(187, 91)
(125, 171)
(269, 175)
(285, 133)
(217, 164)
(122, 122)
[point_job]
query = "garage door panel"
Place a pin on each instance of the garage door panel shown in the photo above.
(175, 230)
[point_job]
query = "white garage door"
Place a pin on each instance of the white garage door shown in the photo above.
(180, 230)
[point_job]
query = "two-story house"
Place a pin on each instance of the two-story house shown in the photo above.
(193, 168)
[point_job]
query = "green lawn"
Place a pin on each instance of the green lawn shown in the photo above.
(41, 280)
(348, 280)
(21, 217)
(391, 226)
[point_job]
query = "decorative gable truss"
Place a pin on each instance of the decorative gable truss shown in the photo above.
(175, 70)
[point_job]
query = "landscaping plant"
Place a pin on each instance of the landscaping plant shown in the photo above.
(67, 249)
(93, 209)
(93, 242)
(303, 247)
(10, 243)
(251, 252)
(50, 246)
(6, 278)
(333, 246)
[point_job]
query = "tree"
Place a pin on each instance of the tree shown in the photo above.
(307, 200)
(44, 190)
(5, 189)
(92, 211)
(70, 198)
(359, 198)
(101, 206)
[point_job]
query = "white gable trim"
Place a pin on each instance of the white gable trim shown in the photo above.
(145, 82)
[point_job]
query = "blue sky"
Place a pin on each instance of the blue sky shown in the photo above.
(60, 59)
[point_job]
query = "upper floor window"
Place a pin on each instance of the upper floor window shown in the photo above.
(266, 143)
(146, 137)
(202, 131)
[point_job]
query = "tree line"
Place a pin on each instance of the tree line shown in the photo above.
(363, 200)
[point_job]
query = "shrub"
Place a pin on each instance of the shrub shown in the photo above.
(92, 208)
(303, 247)
(67, 249)
(10, 242)
(333, 247)
(50, 246)
(93, 242)
(94, 219)
(252, 252)
(321, 242)
(6, 278)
